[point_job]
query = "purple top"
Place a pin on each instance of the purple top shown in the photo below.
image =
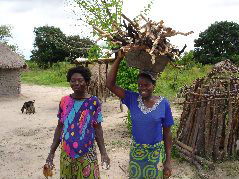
(147, 123)
(78, 118)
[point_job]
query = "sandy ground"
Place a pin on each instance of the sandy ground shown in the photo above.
(25, 139)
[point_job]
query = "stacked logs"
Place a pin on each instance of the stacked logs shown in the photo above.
(209, 126)
(150, 36)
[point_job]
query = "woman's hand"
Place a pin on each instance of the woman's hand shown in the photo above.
(167, 169)
(105, 161)
(49, 160)
(120, 54)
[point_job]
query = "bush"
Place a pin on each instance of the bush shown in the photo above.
(32, 65)
(128, 122)
(188, 60)
(127, 77)
(172, 79)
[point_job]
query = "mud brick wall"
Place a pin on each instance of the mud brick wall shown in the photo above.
(10, 84)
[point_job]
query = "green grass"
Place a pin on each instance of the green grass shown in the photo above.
(168, 84)
(55, 76)
(172, 79)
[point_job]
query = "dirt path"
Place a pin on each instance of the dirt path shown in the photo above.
(25, 139)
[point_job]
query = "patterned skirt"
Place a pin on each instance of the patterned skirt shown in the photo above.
(146, 161)
(85, 167)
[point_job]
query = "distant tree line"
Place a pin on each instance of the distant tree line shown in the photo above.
(220, 41)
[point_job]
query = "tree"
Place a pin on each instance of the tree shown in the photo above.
(101, 13)
(5, 33)
(52, 45)
(219, 41)
(77, 47)
(5, 36)
(48, 45)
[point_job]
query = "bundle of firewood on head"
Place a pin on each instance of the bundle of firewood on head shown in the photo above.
(149, 40)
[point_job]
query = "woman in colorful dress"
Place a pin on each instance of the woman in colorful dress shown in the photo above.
(79, 125)
(151, 121)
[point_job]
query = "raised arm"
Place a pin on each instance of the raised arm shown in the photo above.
(111, 78)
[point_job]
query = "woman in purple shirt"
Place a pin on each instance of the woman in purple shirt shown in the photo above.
(79, 124)
(151, 121)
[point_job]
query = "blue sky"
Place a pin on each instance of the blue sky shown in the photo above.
(183, 15)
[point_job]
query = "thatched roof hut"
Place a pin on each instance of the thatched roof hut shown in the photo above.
(10, 65)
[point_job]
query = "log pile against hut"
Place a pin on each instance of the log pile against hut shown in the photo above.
(150, 36)
(209, 125)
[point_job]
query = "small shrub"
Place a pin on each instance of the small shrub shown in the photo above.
(127, 77)
(32, 65)
(172, 79)
(128, 122)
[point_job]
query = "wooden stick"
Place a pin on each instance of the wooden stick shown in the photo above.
(191, 121)
(200, 160)
(194, 131)
(106, 76)
(125, 172)
(104, 34)
(146, 20)
(182, 145)
(196, 164)
(200, 145)
(228, 129)
(183, 120)
(234, 132)
(218, 137)
(130, 21)
(199, 168)
(207, 128)
(213, 126)
(98, 82)
(186, 129)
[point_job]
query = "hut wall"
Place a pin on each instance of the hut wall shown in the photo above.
(10, 82)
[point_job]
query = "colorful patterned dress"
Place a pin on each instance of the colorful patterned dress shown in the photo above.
(78, 155)
(147, 149)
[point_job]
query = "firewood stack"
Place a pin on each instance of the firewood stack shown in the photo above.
(209, 126)
(151, 37)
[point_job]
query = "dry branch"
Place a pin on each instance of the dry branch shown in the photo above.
(152, 35)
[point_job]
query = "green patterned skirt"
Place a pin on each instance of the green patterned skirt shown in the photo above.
(85, 167)
(146, 161)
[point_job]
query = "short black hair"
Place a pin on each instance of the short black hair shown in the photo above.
(84, 71)
(147, 76)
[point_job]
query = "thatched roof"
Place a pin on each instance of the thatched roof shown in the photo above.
(9, 59)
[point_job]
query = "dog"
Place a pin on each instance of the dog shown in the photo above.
(29, 107)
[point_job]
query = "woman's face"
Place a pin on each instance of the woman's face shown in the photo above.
(145, 87)
(78, 83)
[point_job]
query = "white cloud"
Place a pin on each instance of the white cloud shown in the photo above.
(24, 15)
(183, 15)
